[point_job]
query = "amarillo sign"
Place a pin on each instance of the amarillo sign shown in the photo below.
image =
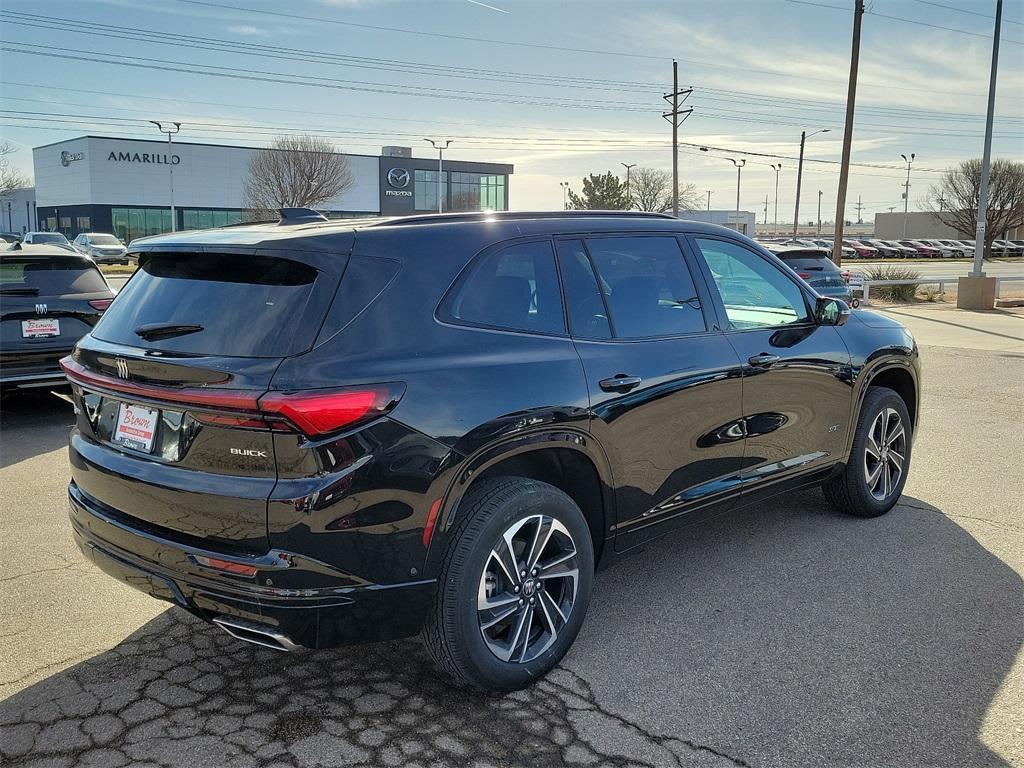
(143, 157)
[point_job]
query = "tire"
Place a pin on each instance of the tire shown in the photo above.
(489, 658)
(854, 491)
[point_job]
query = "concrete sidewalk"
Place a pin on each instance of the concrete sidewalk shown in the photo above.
(943, 325)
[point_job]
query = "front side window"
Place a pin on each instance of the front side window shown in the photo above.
(754, 292)
(515, 288)
(647, 286)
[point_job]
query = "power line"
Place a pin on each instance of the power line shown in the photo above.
(964, 10)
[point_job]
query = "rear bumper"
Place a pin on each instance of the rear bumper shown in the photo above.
(42, 378)
(310, 617)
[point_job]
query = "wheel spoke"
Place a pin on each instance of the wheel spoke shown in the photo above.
(545, 527)
(871, 447)
(499, 617)
(507, 560)
(897, 459)
(547, 617)
(546, 596)
(886, 480)
(557, 561)
(895, 435)
(875, 475)
(561, 573)
(526, 634)
(485, 603)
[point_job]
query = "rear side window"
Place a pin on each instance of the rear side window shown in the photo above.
(515, 288)
(54, 276)
(245, 306)
(588, 316)
(647, 286)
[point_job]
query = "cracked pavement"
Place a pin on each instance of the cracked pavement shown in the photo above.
(783, 635)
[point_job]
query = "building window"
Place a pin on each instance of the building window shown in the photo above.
(478, 192)
(130, 223)
(207, 219)
(82, 223)
(425, 190)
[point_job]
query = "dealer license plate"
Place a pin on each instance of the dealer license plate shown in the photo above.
(136, 427)
(40, 329)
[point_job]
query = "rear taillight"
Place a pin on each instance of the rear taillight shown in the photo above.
(804, 275)
(100, 304)
(317, 412)
(314, 413)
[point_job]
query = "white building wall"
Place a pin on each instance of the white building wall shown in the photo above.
(127, 172)
(18, 211)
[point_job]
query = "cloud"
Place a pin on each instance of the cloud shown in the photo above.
(248, 30)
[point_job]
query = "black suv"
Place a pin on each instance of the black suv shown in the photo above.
(50, 297)
(318, 433)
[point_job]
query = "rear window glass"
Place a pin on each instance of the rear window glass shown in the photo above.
(50, 277)
(514, 289)
(48, 237)
(246, 306)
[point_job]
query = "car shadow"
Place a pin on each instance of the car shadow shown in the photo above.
(773, 636)
(33, 422)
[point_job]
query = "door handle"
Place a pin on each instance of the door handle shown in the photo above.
(764, 360)
(620, 383)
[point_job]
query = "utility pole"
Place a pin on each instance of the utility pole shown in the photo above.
(906, 193)
(766, 210)
(860, 207)
(565, 190)
(800, 173)
(629, 193)
(676, 116)
(851, 102)
(776, 167)
(170, 166)
(979, 234)
(819, 212)
(440, 147)
(709, 198)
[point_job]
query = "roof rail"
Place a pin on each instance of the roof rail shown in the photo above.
(441, 218)
(300, 216)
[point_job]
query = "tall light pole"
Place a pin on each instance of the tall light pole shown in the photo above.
(804, 136)
(739, 169)
(709, 198)
(170, 166)
(982, 224)
(629, 193)
(776, 167)
(819, 212)
(440, 145)
(565, 190)
(906, 193)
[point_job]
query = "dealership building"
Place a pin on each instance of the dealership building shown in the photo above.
(123, 186)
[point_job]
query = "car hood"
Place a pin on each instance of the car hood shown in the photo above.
(875, 319)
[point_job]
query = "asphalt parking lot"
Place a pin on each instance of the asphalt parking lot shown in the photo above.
(781, 635)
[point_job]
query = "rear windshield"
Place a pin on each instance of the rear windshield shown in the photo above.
(49, 237)
(53, 276)
(244, 306)
(809, 263)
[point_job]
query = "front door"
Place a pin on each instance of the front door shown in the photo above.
(665, 391)
(797, 380)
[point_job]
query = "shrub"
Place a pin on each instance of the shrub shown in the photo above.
(931, 294)
(892, 272)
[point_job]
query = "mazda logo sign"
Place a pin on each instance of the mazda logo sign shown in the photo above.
(398, 178)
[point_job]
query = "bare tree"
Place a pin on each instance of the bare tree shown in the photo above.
(651, 190)
(954, 200)
(10, 178)
(295, 172)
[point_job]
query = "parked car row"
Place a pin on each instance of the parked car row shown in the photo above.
(100, 247)
(922, 248)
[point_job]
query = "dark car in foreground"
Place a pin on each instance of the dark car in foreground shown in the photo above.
(323, 433)
(49, 298)
(815, 267)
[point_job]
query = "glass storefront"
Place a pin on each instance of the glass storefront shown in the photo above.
(207, 219)
(425, 190)
(130, 223)
(477, 192)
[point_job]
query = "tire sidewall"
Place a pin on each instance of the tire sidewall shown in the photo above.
(486, 668)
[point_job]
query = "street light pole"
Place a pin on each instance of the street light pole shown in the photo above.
(776, 167)
(982, 225)
(440, 147)
(170, 165)
(799, 175)
(565, 190)
(819, 212)
(739, 169)
(709, 198)
(906, 193)
(629, 193)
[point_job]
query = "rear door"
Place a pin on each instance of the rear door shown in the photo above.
(167, 388)
(665, 391)
(797, 379)
(45, 309)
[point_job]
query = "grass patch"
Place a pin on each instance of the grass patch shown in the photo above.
(117, 269)
(892, 272)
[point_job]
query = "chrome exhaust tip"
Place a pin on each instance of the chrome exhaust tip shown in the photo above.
(257, 634)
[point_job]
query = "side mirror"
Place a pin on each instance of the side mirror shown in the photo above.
(831, 311)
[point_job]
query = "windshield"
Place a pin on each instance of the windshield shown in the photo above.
(102, 240)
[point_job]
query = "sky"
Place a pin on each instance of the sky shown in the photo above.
(559, 89)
